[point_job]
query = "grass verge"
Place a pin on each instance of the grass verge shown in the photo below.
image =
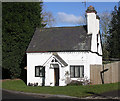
(77, 91)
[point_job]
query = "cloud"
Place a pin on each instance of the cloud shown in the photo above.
(70, 18)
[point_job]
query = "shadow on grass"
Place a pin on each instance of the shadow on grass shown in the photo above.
(113, 93)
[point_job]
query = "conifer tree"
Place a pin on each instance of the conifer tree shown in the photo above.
(19, 21)
(114, 35)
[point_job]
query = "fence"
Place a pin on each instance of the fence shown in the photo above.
(107, 73)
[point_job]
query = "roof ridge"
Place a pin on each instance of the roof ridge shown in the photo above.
(62, 27)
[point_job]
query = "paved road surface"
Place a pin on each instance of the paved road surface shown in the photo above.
(10, 95)
(13, 95)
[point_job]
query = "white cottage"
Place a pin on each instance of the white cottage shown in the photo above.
(57, 52)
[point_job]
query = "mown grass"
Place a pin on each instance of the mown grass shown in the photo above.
(78, 91)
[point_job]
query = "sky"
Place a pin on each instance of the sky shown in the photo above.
(73, 13)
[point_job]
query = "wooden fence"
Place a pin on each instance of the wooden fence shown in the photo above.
(107, 73)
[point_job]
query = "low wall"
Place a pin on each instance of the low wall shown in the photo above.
(107, 73)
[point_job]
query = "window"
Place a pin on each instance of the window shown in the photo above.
(54, 60)
(39, 71)
(77, 71)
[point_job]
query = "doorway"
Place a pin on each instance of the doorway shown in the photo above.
(56, 76)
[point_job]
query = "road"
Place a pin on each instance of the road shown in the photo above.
(15, 96)
(18, 96)
(9, 95)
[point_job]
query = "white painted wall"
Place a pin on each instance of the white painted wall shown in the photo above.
(93, 28)
(97, 26)
(94, 59)
(71, 58)
(91, 23)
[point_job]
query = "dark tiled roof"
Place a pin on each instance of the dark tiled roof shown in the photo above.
(60, 39)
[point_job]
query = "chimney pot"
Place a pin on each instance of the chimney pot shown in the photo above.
(91, 9)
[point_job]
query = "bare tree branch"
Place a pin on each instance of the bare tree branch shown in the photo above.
(48, 19)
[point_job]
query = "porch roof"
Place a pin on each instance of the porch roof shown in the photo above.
(60, 59)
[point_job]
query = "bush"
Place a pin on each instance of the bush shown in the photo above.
(85, 80)
(75, 83)
(80, 81)
(32, 84)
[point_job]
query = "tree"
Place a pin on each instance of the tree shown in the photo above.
(48, 19)
(19, 21)
(114, 37)
(105, 19)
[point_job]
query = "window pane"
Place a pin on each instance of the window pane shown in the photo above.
(71, 71)
(82, 71)
(52, 60)
(56, 60)
(77, 71)
(37, 71)
(40, 71)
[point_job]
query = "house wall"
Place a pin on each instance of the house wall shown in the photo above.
(71, 58)
(93, 28)
(95, 59)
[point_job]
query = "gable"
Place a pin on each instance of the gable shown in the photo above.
(57, 59)
(60, 39)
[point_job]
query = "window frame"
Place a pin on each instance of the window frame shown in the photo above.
(43, 74)
(76, 66)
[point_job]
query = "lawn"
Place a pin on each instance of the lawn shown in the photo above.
(78, 91)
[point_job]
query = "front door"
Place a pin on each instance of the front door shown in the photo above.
(43, 76)
(56, 76)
